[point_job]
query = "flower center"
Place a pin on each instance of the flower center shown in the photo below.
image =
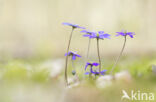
(71, 54)
(97, 35)
(125, 33)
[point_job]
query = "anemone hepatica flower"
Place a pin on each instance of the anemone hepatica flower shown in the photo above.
(100, 35)
(73, 54)
(88, 33)
(122, 33)
(73, 25)
(91, 67)
(125, 33)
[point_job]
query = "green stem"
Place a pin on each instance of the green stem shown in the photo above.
(66, 63)
(86, 59)
(76, 76)
(99, 55)
(117, 60)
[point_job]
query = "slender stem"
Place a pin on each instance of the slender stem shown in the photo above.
(66, 63)
(88, 49)
(76, 76)
(95, 76)
(86, 59)
(117, 60)
(99, 55)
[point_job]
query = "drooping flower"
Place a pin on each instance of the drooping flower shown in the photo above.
(91, 67)
(87, 33)
(73, 25)
(73, 54)
(101, 35)
(125, 33)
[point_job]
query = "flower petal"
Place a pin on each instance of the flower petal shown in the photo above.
(87, 35)
(68, 53)
(87, 73)
(84, 31)
(80, 27)
(86, 65)
(65, 23)
(130, 33)
(101, 32)
(103, 70)
(131, 36)
(107, 36)
(73, 57)
(77, 55)
(117, 35)
(95, 64)
(93, 35)
(65, 54)
(120, 33)
(73, 25)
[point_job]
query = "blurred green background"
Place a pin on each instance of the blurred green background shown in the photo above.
(34, 27)
(33, 42)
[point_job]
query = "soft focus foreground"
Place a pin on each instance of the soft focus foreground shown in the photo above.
(23, 80)
(33, 43)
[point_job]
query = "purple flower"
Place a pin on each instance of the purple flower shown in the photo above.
(91, 67)
(101, 35)
(88, 33)
(125, 33)
(74, 55)
(73, 25)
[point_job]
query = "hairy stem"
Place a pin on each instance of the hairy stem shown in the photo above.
(98, 51)
(86, 59)
(66, 63)
(117, 60)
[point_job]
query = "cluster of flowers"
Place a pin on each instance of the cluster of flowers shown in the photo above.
(92, 35)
